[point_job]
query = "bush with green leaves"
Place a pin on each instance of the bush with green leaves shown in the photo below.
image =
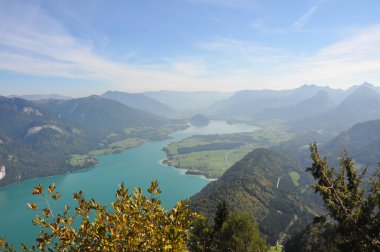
(135, 223)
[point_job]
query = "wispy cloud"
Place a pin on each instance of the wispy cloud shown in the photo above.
(343, 63)
(300, 23)
(39, 45)
(206, 11)
(254, 53)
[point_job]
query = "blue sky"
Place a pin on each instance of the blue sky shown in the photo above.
(82, 47)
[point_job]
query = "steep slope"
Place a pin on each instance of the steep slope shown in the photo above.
(103, 114)
(361, 105)
(315, 105)
(260, 184)
(18, 115)
(34, 141)
(39, 138)
(140, 101)
(362, 142)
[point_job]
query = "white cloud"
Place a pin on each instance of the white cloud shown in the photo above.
(34, 43)
(37, 44)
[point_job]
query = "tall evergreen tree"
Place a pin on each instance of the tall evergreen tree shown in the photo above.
(221, 215)
(355, 210)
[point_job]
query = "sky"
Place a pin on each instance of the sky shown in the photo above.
(82, 47)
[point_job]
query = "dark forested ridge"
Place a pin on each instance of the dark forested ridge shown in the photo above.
(38, 138)
(361, 141)
(101, 113)
(260, 184)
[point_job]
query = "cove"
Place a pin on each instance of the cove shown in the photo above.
(136, 167)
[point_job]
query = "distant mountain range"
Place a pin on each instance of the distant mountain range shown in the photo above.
(188, 102)
(362, 104)
(142, 102)
(252, 102)
(317, 104)
(41, 97)
(38, 137)
(306, 108)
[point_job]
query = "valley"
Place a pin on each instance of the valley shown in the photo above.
(253, 162)
(136, 167)
(212, 155)
(190, 126)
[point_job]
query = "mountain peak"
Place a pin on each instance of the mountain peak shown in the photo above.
(367, 84)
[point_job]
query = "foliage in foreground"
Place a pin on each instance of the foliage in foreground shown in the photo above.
(136, 223)
(355, 211)
(230, 232)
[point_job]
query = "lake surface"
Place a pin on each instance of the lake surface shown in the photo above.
(136, 167)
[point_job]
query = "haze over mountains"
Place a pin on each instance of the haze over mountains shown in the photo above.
(80, 124)
(140, 101)
(42, 138)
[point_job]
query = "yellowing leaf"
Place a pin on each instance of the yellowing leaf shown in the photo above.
(38, 189)
(51, 187)
(32, 206)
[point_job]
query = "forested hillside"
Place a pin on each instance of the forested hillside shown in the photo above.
(51, 137)
(261, 183)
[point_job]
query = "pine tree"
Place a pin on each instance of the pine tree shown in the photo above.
(355, 210)
(221, 216)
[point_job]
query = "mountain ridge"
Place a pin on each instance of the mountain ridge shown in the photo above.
(141, 102)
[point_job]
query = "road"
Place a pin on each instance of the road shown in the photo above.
(278, 181)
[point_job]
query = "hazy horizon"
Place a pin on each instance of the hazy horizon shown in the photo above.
(82, 48)
(179, 91)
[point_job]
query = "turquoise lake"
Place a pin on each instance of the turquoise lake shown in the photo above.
(136, 167)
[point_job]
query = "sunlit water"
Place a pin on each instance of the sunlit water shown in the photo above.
(136, 167)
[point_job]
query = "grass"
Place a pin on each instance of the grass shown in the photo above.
(81, 160)
(213, 163)
(118, 146)
(275, 249)
(188, 142)
(295, 177)
(84, 160)
(272, 134)
(127, 143)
